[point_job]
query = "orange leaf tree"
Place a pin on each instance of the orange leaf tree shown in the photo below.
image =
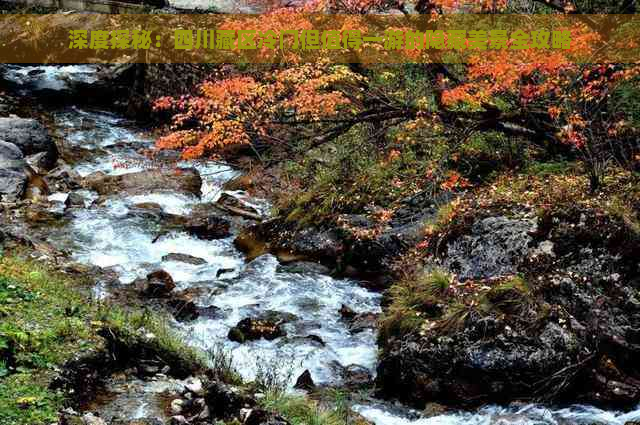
(544, 97)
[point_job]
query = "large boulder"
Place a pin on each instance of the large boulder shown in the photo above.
(208, 227)
(267, 325)
(30, 137)
(495, 247)
(158, 283)
(288, 243)
(180, 180)
(353, 244)
(13, 179)
(564, 329)
(225, 401)
(12, 184)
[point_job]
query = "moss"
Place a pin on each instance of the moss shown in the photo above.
(620, 208)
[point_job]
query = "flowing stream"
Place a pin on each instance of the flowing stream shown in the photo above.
(104, 234)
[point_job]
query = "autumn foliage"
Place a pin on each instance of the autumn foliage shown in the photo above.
(543, 96)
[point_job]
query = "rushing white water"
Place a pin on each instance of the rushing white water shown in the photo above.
(50, 77)
(530, 414)
(108, 236)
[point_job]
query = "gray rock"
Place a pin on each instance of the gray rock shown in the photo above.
(184, 180)
(494, 248)
(12, 184)
(194, 385)
(74, 200)
(178, 420)
(305, 381)
(10, 155)
(90, 419)
(177, 406)
(30, 137)
(183, 258)
(39, 162)
(303, 267)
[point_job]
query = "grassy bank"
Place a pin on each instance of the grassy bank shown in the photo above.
(44, 321)
(48, 318)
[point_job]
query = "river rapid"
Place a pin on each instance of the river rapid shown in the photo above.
(106, 235)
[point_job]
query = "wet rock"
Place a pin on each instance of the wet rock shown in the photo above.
(90, 419)
(235, 206)
(433, 409)
(225, 401)
(356, 376)
(38, 162)
(63, 179)
(305, 381)
(362, 322)
(149, 368)
(251, 329)
(242, 182)
(184, 258)
(303, 267)
(181, 180)
(316, 339)
(290, 244)
(74, 200)
(178, 420)
(176, 406)
(210, 312)
(346, 312)
(30, 137)
(13, 184)
(208, 228)
(183, 309)
(194, 385)
(358, 322)
(70, 417)
(157, 284)
(13, 178)
(222, 271)
(10, 155)
(149, 206)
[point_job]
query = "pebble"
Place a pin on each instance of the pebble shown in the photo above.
(194, 385)
(176, 406)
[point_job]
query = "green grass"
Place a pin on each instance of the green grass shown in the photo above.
(412, 301)
(352, 175)
(300, 410)
(44, 320)
(146, 334)
(544, 169)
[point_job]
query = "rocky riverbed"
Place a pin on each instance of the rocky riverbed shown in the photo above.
(165, 233)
